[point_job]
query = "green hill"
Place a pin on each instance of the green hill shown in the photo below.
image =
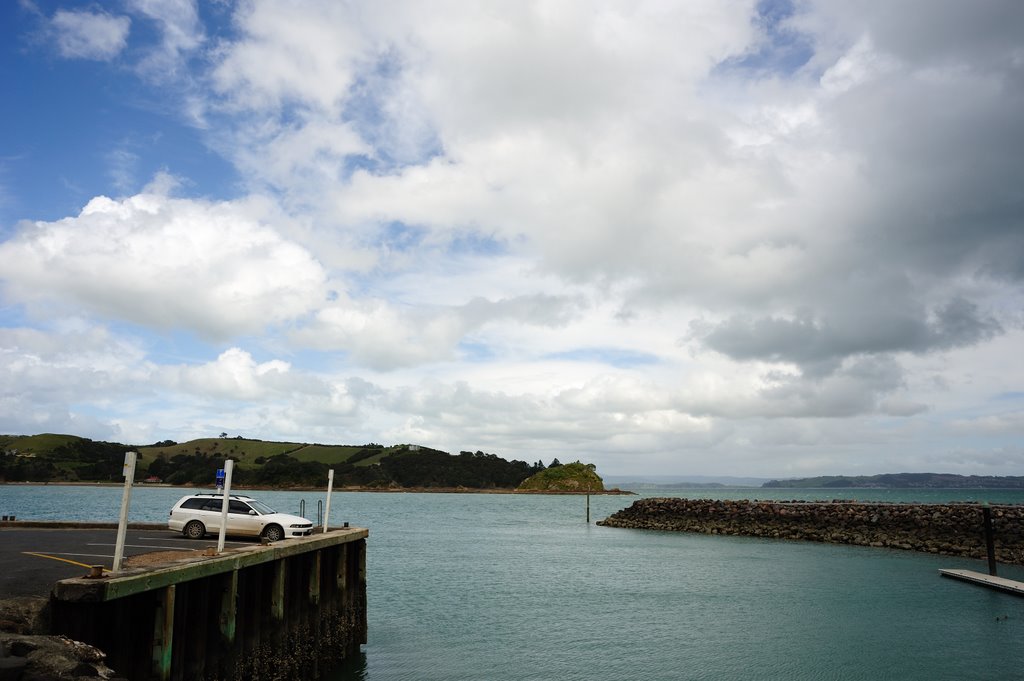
(258, 463)
(65, 458)
(570, 477)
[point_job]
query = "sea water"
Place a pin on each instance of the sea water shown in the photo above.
(490, 586)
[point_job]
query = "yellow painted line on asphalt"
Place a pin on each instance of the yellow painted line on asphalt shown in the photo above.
(65, 560)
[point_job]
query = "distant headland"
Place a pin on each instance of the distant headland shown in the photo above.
(902, 481)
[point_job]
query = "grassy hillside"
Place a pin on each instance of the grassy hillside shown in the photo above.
(258, 463)
(355, 455)
(243, 452)
(68, 458)
(44, 443)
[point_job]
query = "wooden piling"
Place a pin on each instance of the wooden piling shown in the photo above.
(286, 611)
(990, 544)
(228, 606)
(163, 634)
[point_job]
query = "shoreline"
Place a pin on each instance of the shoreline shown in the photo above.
(382, 490)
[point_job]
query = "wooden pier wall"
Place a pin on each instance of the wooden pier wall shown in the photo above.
(290, 610)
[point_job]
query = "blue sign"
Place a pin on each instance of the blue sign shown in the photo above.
(220, 478)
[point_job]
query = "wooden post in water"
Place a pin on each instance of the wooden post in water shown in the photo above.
(990, 545)
(588, 506)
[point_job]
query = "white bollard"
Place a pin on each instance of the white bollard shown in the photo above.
(122, 523)
(229, 466)
(327, 506)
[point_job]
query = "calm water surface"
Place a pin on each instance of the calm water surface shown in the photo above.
(466, 586)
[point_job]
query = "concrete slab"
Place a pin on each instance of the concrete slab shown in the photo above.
(34, 556)
(990, 581)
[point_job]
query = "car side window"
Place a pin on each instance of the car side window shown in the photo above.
(238, 507)
(194, 503)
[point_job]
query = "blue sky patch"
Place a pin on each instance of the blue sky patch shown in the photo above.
(616, 357)
(472, 351)
(783, 51)
(477, 243)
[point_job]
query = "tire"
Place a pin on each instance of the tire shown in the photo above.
(194, 530)
(273, 533)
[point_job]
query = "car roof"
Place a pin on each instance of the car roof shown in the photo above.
(239, 497)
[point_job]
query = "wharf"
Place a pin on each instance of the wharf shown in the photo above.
(990, 581)
(288, 610)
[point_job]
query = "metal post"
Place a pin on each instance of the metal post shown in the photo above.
(990, 545)
(588, 507)
(229, 466)
(122, 523)
(327, 506)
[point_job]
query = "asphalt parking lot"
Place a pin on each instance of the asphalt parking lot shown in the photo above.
(32, 559)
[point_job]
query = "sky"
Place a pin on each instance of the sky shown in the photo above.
(715, 237)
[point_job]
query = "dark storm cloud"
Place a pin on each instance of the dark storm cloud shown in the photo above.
(935, 118)
(943, 154)
(926, 31)
(826, 339)
(930, 104)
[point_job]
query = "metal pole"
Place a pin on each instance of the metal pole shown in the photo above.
(229, 466)
(122, 523)
(588, 506)
(990, 544)
(330, 487)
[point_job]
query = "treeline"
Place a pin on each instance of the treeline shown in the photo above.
(80, 459)
(433, 468)
(428, 468)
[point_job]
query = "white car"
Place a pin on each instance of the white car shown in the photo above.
(196, 514)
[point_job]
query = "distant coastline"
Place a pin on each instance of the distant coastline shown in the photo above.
(901, 481)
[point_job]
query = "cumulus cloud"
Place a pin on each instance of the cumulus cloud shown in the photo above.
(310, 56)
(47, 376)
(181, 33)
(165, 263)
(61, 365)
(234, 375)
(90, 35)
(752, 204)
(385, 336)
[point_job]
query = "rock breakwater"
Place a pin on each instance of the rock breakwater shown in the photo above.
(947, 529)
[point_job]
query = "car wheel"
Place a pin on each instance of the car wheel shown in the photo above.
(194, 530)
(273, 533)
